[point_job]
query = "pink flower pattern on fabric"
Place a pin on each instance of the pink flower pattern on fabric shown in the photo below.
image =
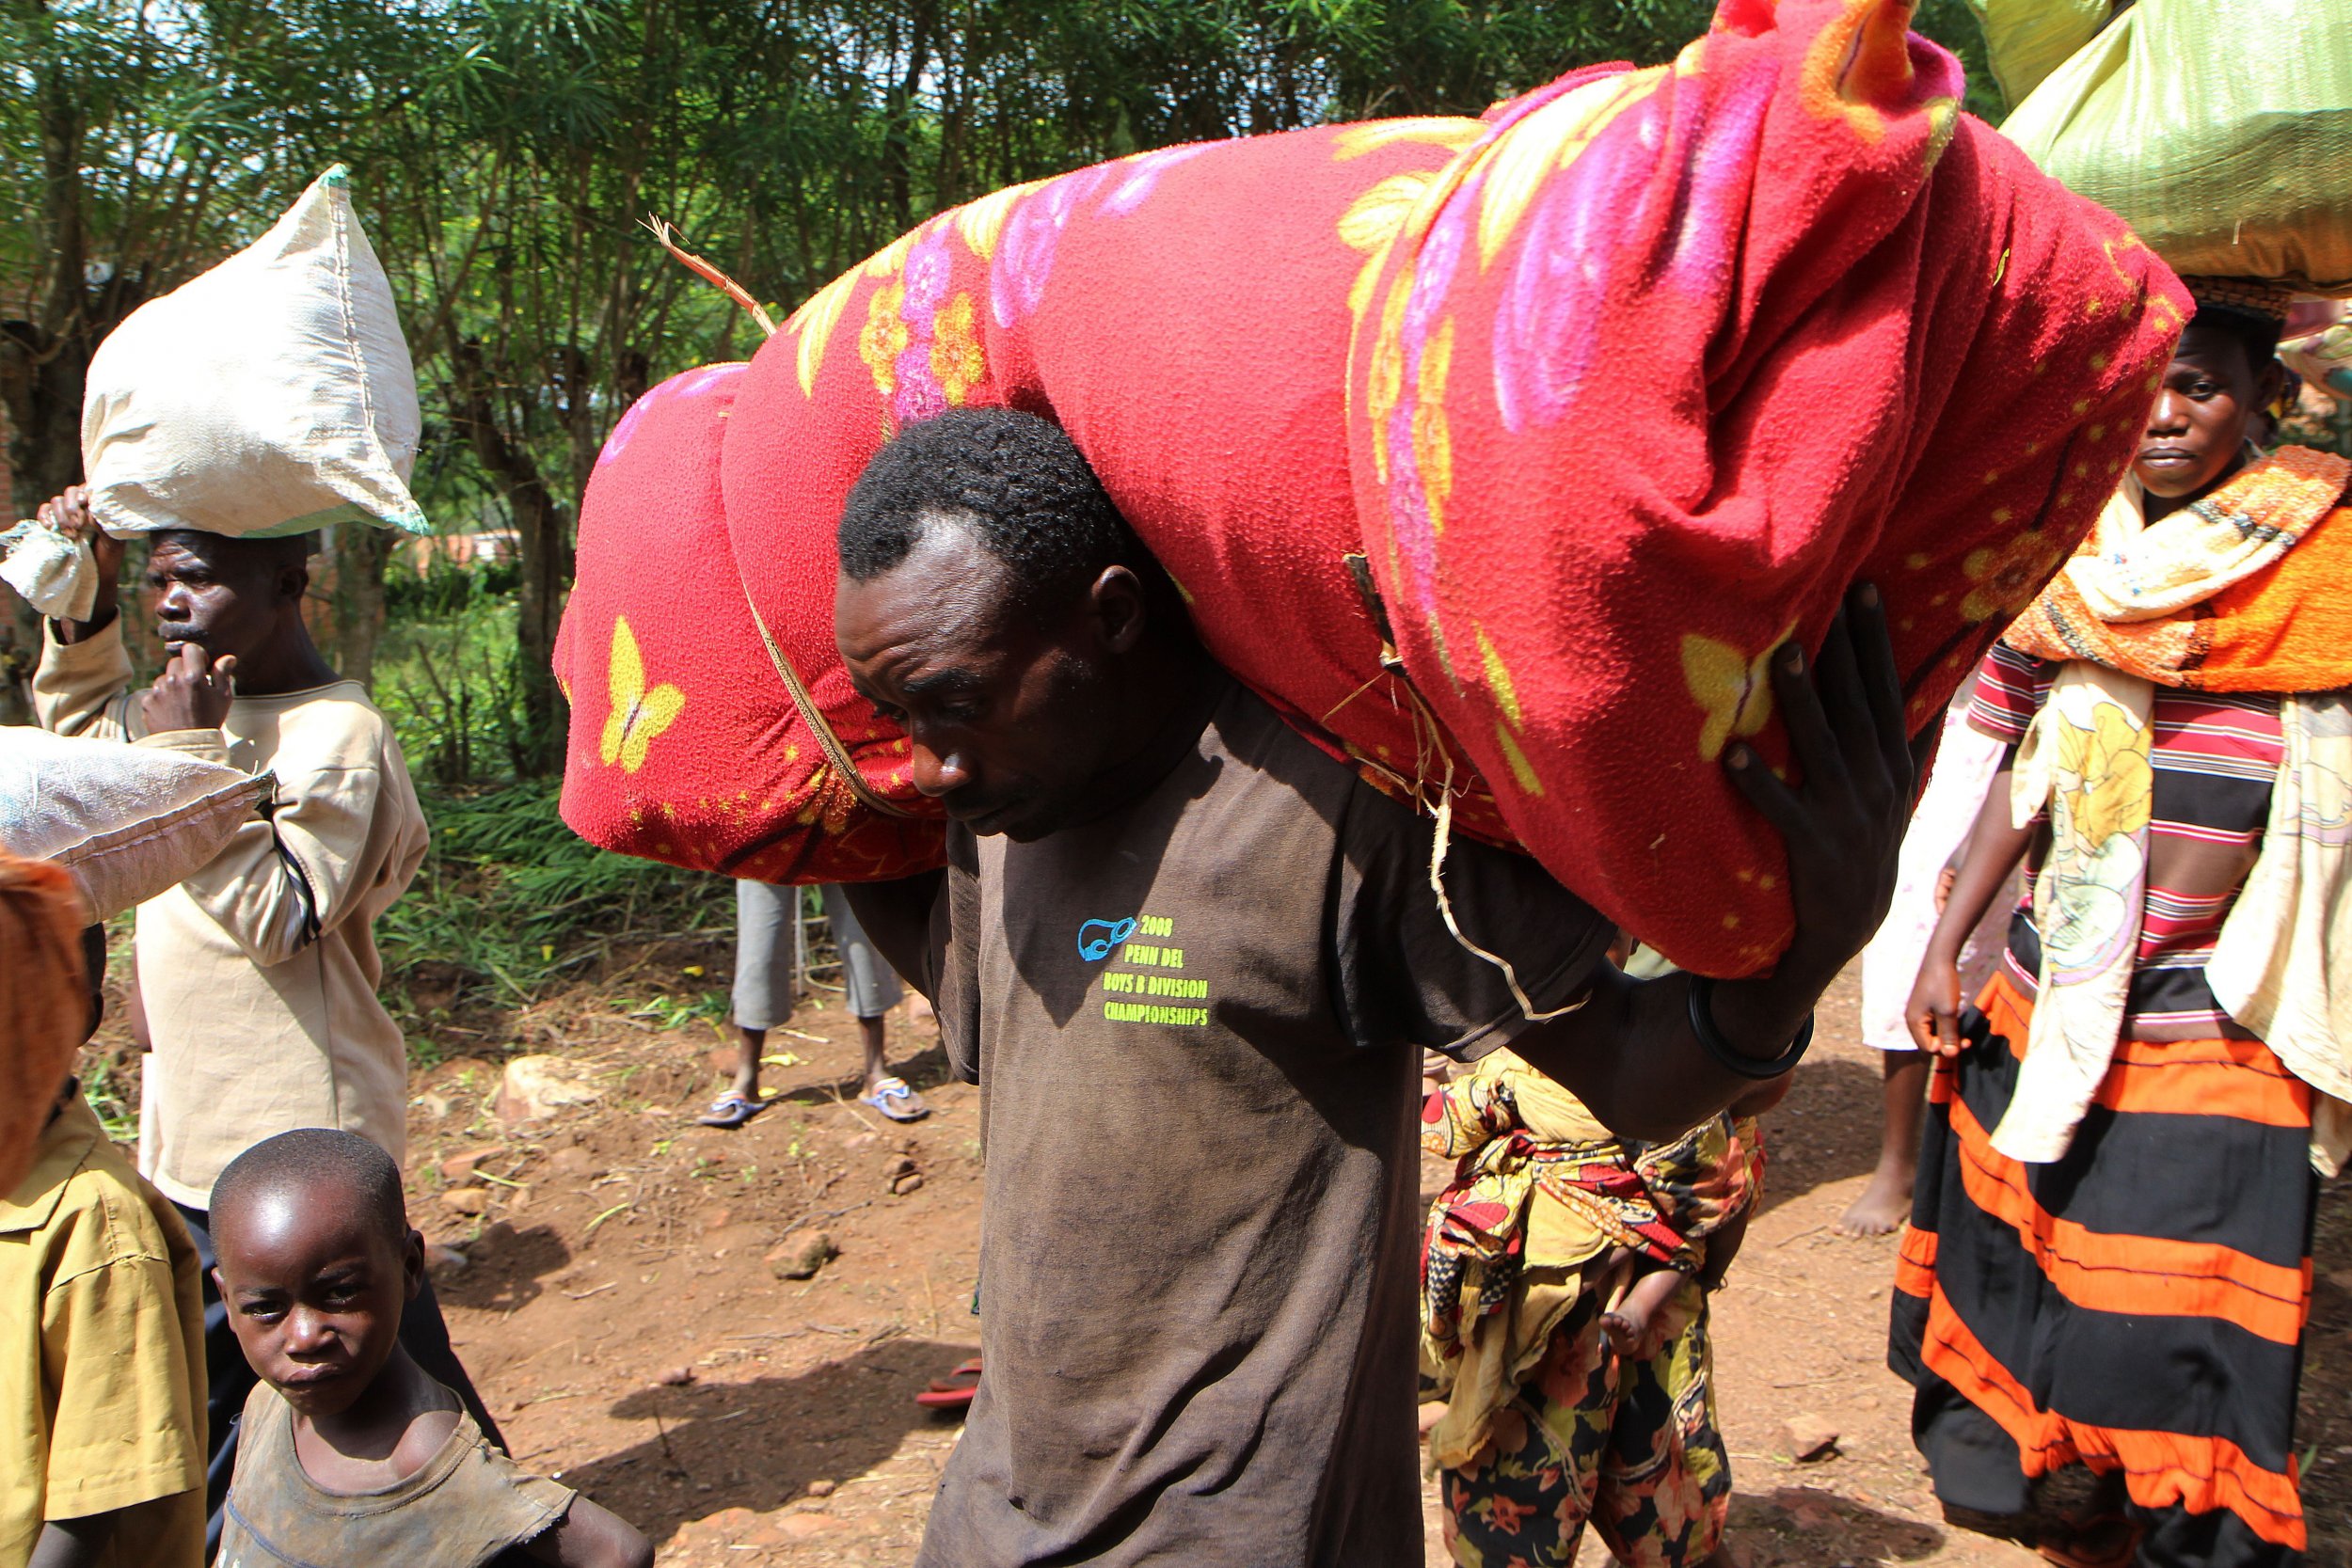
(1412, 524)
(916, 393)
(1025, 255)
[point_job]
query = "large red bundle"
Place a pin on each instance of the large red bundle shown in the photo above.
(685, 744)
(1674, 356)
(1185, 315)
(1780, 383)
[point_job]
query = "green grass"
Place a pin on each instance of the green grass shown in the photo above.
(445, 673)
(510, 902)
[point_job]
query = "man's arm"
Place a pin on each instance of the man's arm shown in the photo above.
(128, 1433)
(74, 1543)
(1631, 1051)
(284, 880)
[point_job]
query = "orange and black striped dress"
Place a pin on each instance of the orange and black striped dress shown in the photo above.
(2136, 1306)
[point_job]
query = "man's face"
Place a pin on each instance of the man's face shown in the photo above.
(314, 1289)
(2199, 423)
(1010, 715)
(207, 590)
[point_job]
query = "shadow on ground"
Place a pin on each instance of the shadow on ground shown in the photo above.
(758, 1444)
(504, 1267)
(1812, 1526)
(1826, 1131)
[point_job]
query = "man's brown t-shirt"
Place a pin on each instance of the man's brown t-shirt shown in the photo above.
(1196, 1024)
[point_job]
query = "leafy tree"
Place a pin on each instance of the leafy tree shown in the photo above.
(504, 150)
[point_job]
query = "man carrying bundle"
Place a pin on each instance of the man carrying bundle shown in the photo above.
(257, 975)
(1173, 928)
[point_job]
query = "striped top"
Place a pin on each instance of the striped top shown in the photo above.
(2215, 756)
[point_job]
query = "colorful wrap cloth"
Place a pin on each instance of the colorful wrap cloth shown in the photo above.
(1541, 1194)
(1687, 406)
(685, 744)
(1184, 314)
(2318, 344)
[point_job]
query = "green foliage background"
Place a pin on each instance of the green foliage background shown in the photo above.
(504, 152)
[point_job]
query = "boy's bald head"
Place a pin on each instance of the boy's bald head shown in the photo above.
(316, 1165)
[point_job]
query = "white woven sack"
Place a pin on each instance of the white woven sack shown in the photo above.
(270, 396)
(129, 821)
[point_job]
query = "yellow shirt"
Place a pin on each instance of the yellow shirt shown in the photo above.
(258, 974)
(102, 1355)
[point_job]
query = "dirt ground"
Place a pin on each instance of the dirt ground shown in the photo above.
(618, 1305)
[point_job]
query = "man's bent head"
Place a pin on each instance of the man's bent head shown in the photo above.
(994, 603)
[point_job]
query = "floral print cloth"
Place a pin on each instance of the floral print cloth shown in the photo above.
(1497, 454)
(1541, 1194)
(1629, 1447)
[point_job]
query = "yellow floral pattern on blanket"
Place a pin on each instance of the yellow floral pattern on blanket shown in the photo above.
(956, 357)
(2004, 578)
(885, 335)
(639, 715)
(1733, 689)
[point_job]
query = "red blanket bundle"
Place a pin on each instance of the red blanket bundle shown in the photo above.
(1657, 363)
(685, 745)
(1674, 356)
(1185, 315)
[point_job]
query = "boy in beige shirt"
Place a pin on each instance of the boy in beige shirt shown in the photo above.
(257, 975)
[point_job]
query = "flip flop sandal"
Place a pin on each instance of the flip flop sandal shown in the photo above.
(970, 1368)
(731, 1110)
(946, 1396)
(893, 1099)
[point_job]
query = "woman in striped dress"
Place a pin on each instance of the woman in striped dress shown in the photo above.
(2100, 1301)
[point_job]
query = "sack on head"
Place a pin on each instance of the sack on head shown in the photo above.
(273, 395)
(2222, 134)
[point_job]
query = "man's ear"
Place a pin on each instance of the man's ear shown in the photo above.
(293, 580)
(1120, 612)
(412, 1264)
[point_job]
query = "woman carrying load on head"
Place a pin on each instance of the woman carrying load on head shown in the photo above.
(2100, 1297)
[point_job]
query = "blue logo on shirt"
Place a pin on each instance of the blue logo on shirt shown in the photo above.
(1098, 937)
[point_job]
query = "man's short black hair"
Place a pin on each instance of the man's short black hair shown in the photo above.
(1017, 480)
(306, 1161)
(2256, 333)
(289, 549)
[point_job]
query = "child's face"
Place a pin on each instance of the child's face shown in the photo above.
(314, 1289)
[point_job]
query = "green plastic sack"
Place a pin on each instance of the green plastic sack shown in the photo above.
(2026, 40)
(2220, 130)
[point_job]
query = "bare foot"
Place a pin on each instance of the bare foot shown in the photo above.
(1883, 1207)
